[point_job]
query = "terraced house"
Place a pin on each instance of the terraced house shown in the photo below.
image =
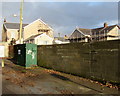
(98, 34)
(11, 30)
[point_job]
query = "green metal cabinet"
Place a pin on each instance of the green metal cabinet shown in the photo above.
(26, 55)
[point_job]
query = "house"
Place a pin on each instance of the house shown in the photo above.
(40, 39)
(61, 40)
(37, 27)
(80, 35)
(11, 30)
(106, 33)
(97, 34)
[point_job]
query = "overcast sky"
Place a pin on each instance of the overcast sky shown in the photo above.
(63, 17)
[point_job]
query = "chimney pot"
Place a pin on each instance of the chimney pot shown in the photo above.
(105, 24)
(4, 19)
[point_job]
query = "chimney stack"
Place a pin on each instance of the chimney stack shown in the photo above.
(4, 19)
(105, 25)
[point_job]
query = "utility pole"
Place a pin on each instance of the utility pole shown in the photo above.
(91, 35)
(59, 35)
(21, 19)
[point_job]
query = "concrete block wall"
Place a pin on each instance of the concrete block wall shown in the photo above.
(99, 60)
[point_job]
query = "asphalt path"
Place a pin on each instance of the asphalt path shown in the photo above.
(18, 80)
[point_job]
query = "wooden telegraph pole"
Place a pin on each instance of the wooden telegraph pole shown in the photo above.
(21, 19)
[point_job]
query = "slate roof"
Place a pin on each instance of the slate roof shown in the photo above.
(13, 25)
(85, 31)
(81, 31)
(103, 29)
(32, 37)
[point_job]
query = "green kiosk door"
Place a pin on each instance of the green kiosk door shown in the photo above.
(27, 55)
(31, 55)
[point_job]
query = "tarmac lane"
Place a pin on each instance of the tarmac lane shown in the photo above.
(18, 80)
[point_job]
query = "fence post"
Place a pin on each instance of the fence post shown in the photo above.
(2, 62)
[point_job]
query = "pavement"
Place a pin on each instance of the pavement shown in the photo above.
(0, 78)
(38, 80)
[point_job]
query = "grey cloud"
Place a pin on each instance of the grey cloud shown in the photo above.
(65, 16)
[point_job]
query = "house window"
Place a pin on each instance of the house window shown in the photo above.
(13, 35)
(42, 30)
(45, 42)
(119, 33)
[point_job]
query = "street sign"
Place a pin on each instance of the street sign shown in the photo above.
(2, 51)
